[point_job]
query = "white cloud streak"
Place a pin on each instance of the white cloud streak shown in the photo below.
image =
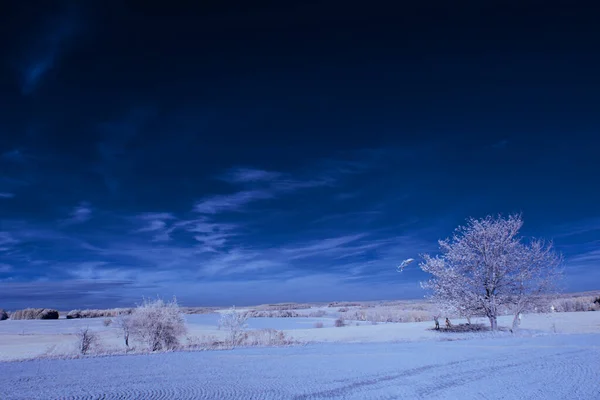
(249, 175)
(80, 214)
(231, 202)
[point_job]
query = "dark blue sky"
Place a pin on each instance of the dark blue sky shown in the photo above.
(275, 152)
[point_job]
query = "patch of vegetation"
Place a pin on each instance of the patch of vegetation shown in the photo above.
(464, 328)
(110, 313)
(35, 313)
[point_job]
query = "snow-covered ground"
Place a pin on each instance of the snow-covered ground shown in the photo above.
(28, 339)
(543, 367)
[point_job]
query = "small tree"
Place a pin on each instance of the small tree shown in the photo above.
(158, 324)
(123, 323)
(234, 323)
(85, 340)
(486, 266)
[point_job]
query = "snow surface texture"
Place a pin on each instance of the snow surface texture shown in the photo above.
(551, 366)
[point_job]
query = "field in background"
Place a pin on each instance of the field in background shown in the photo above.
(284, 324)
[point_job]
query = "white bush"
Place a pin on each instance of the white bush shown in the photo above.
(157, 324)
(234, 323)
(266, 337)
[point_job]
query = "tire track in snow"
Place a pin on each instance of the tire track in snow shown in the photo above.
(353, 386)
(516, 368)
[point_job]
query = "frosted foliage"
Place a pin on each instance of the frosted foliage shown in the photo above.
(234, 323)
(486, 268)
(157, 324)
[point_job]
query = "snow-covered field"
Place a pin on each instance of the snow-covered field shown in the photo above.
(23, 339)
(544, 367)
(553, 356)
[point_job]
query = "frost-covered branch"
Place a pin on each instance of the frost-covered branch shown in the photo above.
(157, 324)
(234, 323)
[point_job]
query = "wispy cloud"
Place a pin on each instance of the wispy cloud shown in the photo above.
(249, 175)
(205, 225)
(80, 214)
(322, 247)
(7, 241)
(6, 195)
(589, 258)
(157, 224)
(100, 270)
(5, 268)
(265, 185)
(230, 202)
(578, 228)
(238, 261)
(212, 236)
(44, 52)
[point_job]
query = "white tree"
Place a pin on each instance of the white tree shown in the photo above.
(486, 266)
(234, 322)
(535, 280)
(158, 324)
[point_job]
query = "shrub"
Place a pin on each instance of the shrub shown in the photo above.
(317, 314)
(285, 306)
(387, 314)
(284, 314)
(273, 314)
(234, 323)
(35, 313)
(107, 322)
(466, 328)
(265, 337)
(343, 304)
(111, 313)
(262, 337)
(340, 322)
(576, 304)
(204, 342)
(157, 324)
(85, 340)
(318, 324)
(3, 315)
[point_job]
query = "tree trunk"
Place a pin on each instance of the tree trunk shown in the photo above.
(493, 323)
(516, 321)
